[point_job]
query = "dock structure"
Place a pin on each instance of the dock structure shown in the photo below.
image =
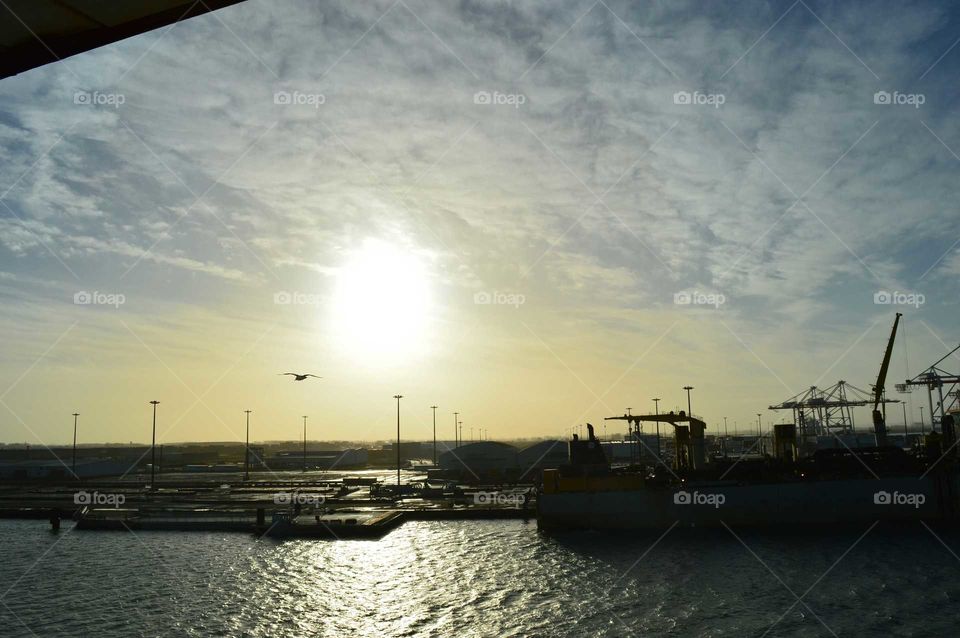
(341, 525)
(348, 507)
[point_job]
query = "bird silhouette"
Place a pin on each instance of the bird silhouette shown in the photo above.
(298, 377)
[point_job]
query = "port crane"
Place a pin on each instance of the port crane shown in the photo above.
(689, 441)
(935, 378)
(821, 411)
(879, 407)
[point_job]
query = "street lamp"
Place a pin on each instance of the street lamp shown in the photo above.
(434, 408)
(74, 468)
(725, 435)
(304, 442)
(760, 433)
(398, 397)
(153, 445)
(689, 409)
(456, 441)
(246, 454)
(656, 408)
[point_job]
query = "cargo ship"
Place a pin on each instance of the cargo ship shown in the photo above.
(787, 486)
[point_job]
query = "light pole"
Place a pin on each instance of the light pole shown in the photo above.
(456, 441)
(74, 464)
(725, 436)
(246, 454)
(153, 445)
(689, 409)
(923, 425)
(904, 406)
(460, 424)
(304, 442)
(434, 408)
(760, 433)
(398, 397)
(656, 409)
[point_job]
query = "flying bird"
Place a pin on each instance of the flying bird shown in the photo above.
(298, 377)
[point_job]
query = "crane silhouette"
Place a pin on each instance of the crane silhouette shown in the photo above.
(298, 377)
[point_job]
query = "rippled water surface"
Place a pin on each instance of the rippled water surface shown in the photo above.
(491, 578)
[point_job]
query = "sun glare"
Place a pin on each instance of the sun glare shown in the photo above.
(382, 303)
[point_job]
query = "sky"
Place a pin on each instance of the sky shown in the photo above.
(535, 214)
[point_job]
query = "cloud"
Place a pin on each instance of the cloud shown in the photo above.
(599, 195)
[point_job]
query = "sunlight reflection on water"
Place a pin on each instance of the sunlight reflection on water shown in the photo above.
(491, 578)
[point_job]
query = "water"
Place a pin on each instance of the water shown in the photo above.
(470, 578)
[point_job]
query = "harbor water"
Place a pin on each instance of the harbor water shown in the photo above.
(481, 578)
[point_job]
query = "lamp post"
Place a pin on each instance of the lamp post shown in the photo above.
(304, 442)
(923, 424)
(760, 433)
(74, 463)
(689, 409)
(456, 441)
(153, 446)
(246, 454)
(398, 397)
(725, 435)
(460, 424)
(434, 408)
(656, 409)
(904, 406)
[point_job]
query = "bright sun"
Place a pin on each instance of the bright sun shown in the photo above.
(382, 303)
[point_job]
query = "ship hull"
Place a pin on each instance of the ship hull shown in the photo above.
(931, 498)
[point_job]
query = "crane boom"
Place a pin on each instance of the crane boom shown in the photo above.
(879, 426)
